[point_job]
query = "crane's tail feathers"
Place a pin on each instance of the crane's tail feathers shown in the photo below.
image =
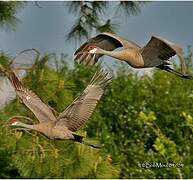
(79, 139)
(168, 69)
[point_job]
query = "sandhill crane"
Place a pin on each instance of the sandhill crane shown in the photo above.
(156, 53)
(71, 119)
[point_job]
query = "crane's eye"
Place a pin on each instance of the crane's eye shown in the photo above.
(13, 121)
(92, 46)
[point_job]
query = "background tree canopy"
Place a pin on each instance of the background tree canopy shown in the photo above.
(140, 119)
(8, 12)
(92, 16)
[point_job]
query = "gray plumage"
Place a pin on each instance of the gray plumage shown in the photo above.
(156, 53)
(7, 92)
(71, 119)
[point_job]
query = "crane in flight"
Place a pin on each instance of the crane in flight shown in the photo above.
(71, 119)
(156, 53)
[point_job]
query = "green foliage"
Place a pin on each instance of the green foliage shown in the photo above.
(8, 12)
(33, 155)
(4, 61)
(93, 17)
(130, 7)
(141, 121)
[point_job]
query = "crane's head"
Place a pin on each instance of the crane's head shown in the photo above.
(14, 122)
(92, 49)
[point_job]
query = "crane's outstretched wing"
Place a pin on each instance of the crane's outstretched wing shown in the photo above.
(7, 92)
(160, 49)
(31, 100)
(76, 114)
(106, 41)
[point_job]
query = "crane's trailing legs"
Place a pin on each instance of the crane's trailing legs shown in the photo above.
(156, 53)
(79, 139)
(169, 69)
(70, 120)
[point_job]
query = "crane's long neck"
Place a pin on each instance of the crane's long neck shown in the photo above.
(28, 126)
(132, 57)
(121, 54)
(114, 54)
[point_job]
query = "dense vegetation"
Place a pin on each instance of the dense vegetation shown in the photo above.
(139, 119)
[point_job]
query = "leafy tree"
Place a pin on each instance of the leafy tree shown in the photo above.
(8, 11)
(89, 15)
(92, 16)
(32, 155)
(140, 120)
(148, 119)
